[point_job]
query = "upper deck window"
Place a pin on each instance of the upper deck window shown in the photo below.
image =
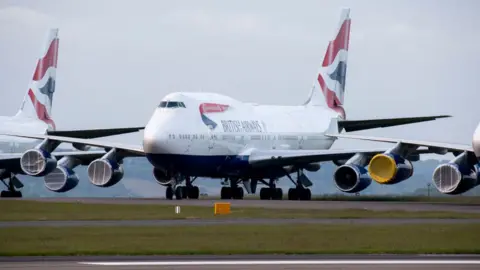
(171, 104)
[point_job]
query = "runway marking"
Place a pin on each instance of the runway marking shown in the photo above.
(281, 262)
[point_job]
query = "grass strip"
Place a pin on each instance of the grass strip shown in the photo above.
(16, 210)
(242, 239)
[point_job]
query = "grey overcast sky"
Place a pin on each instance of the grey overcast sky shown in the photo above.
(119, 58)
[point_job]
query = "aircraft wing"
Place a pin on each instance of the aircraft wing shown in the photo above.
(93, 133)
(356, 125)
(262, 158)
(126, 150)
(439, 145)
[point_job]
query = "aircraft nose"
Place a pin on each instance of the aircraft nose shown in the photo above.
(155, 138)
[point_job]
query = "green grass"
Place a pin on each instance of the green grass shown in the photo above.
(241, 239)
(17, 210)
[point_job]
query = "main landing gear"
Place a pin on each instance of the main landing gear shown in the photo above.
(271, 192)
(13, 183)
(183, 192)
(232, 192)
(299, 192)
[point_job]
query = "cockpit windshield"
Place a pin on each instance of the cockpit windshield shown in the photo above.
(171, 104)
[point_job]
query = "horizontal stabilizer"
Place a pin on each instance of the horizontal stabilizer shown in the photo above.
(356, 125)
(93, 133)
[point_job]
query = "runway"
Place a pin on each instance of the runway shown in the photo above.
(237, 221)
(263, 262)
(285, 204)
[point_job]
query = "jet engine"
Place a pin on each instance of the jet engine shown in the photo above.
(352, 177)
(105, 171)
(63, 178)
(458, 176)
(38, 161)
(162, 177)
(391, 167)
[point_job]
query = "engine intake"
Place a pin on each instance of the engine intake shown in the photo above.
(37, 162)
(63, 178)
(351, 178)
(104, 172)
(162, 178)
(389, 168)
(456, 177)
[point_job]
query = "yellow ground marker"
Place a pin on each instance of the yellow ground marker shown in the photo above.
(221, 208)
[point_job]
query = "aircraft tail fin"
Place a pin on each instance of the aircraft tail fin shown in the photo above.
(38, 99)
(330, 79)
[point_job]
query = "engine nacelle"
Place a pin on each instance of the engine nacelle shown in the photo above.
(457, 176)
(340, 162)
(105, 172)
(81, 147)
(63, 178)
(162, 177)
(351, 178)
(313, 167)
(37, 162)
(388, 168)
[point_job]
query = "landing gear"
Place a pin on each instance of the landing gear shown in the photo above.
(13, 183)
(271, 192)
(183, 192)
(232, 192)
(299, 192)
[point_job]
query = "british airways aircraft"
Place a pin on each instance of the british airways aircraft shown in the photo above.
(211, 135)
(35, 114)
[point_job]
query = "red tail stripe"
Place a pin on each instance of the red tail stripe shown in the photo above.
(40, 109)
(331, 98)
(338, 43)
(49, 60)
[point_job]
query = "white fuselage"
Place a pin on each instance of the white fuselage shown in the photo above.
(476, 141)
(16, 124)
(180, 136)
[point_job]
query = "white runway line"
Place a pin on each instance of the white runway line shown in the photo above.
(284, 262)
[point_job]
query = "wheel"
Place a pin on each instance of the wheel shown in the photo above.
(238, 193)
(169, 193)
(180, 193)
(265, 194)
(292, 194)
(196, 192)
(18, 194)
(226, 193)
(305, 194)
(5, 194)
(277, 194)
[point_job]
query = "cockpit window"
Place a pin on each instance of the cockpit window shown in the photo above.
(171, 104)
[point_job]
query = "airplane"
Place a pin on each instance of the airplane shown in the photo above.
(35, 115)
(211, 135)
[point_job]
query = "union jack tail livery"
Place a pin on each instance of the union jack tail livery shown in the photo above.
(331, 76)
(42, 86)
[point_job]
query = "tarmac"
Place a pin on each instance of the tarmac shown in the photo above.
(285, 204)
(236, 262)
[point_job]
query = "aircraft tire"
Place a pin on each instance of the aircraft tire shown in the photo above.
(180, 193)
(226, 193)
(265, 194)
(277, 193)
(305, 195)
(10, 194)
(169, 193)
(238, 193)
(292, 194)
